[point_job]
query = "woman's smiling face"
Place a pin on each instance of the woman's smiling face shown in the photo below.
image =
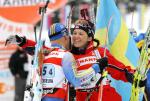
(80, 38)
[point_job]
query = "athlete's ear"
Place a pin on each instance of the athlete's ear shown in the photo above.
(89, 38)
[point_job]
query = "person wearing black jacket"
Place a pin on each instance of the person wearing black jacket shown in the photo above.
(17, 67)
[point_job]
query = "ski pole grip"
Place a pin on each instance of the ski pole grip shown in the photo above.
(47, 2)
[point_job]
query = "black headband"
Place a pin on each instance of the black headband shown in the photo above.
(86, 28)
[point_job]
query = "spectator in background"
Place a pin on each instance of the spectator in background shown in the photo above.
(17, 67)
(139, 39)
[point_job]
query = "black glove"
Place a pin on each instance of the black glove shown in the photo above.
(130, 78)
(21, 40)
(15, 39)
(142, 83)
(103, 62)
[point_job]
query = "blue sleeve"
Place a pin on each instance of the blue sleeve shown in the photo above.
(96, 68)
(68, 65)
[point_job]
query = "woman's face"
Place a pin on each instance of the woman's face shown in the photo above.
(80, 38)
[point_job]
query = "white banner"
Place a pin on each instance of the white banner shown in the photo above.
(10, 28)
(13, 3)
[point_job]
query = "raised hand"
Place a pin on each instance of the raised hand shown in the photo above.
(130, 77)
(14, 39)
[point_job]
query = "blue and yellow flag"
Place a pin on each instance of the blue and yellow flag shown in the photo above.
(120, 42)
(111, 30)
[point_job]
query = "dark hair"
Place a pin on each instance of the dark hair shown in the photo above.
(97, 43)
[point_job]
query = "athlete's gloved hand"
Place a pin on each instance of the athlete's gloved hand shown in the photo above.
(130, 78)
(15, 39)
(142, 82)
(103, 63)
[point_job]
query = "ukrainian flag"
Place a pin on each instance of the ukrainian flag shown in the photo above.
(111, 28)
(120, 42)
